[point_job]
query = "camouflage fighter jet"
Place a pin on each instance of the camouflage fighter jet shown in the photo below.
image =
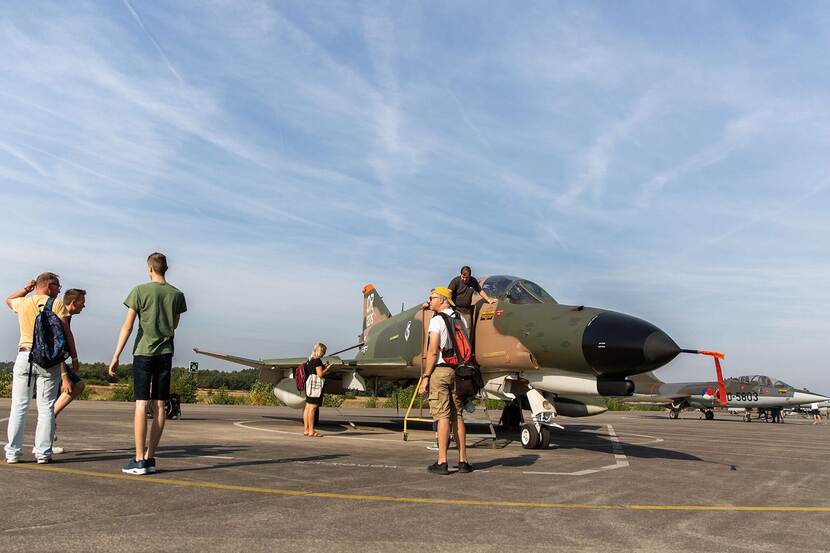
(528, 346)
(743, 392)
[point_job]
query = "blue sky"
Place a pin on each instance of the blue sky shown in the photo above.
(668, 162)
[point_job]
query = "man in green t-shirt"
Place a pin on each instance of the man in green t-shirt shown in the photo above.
(157, 305)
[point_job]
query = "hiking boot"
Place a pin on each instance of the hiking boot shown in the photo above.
(151, 465)
(44, 461)
(464, 466)
(438, 468)
(135, 467)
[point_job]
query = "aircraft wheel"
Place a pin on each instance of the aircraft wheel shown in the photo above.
(673, 414)
(709, 415)
(530, 436)
(747, 417)
(544, 438)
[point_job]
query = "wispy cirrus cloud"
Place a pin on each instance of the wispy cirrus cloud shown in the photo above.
(639, 163)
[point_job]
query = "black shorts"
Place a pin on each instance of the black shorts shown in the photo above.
(314, 400)
(151, 377)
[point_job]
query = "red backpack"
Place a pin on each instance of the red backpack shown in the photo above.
(300, 374)
(459, 352)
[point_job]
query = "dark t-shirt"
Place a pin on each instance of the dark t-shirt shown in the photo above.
(462, 294)
(311, 366)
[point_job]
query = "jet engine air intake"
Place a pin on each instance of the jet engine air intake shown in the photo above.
(618, 345)
(615, 387)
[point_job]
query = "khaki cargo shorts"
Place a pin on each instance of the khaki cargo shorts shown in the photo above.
(443, 401)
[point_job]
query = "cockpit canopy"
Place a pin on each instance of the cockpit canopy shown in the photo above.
(760, 380)
(515, 290)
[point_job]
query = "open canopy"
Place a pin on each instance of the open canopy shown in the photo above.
(515, 290)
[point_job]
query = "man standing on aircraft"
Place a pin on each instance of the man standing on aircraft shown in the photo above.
(439, 378)
(158, 306)
(462, 288)
(46, 288)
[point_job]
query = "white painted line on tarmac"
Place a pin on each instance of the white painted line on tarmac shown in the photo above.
(244, 424)
(4, 420)
(621, 461)
(216, 457)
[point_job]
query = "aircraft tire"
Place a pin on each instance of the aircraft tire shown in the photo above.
(709, 415)
(544, 438)
(530, 436)
(674, 414)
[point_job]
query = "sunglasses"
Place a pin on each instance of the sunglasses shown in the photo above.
(436, 298)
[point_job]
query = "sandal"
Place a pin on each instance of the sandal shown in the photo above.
(316, 435)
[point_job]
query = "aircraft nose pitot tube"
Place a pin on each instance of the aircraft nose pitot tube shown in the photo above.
(616, 345)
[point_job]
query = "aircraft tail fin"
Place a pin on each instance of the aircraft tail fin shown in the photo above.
(374, 310)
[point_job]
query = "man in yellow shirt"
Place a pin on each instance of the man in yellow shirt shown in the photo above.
(46, 286)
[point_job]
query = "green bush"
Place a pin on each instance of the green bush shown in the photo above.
(494, 404)
(184, 384)
(404, 396)
(262, 394)
(333, 400)
(85, 394)
(122, 392)
(222, 397)
(372, 402)
(5, 383)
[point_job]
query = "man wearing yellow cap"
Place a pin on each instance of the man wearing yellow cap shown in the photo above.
(439, 378)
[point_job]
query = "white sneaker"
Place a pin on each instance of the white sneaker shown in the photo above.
(13, 460)
(57, 450)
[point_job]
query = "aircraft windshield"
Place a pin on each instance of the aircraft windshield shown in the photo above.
(760, 380)
(779, 384)
(516, 290)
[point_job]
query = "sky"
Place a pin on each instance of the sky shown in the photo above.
(667, 161)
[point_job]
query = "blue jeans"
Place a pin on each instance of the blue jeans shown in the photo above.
(47, 382)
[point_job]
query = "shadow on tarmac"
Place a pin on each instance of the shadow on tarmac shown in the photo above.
(259, 462)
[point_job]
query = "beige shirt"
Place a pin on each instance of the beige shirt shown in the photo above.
(27, 309)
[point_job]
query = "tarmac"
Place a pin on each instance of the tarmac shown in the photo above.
(234, 478)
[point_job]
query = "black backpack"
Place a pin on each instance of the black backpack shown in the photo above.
(49, 346)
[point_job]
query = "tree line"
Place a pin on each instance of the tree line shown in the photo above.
(96, 373)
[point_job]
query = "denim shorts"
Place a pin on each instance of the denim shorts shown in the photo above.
(151, 377)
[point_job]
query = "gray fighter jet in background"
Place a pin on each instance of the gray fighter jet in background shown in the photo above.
(750, 392)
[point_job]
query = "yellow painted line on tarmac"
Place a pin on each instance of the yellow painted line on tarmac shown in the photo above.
(160, 480)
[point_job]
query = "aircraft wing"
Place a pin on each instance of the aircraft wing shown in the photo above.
(234, 359)
(376, 364)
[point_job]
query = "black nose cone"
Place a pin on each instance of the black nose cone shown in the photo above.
(615, 344)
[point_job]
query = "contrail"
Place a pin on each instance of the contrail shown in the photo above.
(154, 41)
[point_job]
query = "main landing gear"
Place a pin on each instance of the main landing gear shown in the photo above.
(708, 414)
